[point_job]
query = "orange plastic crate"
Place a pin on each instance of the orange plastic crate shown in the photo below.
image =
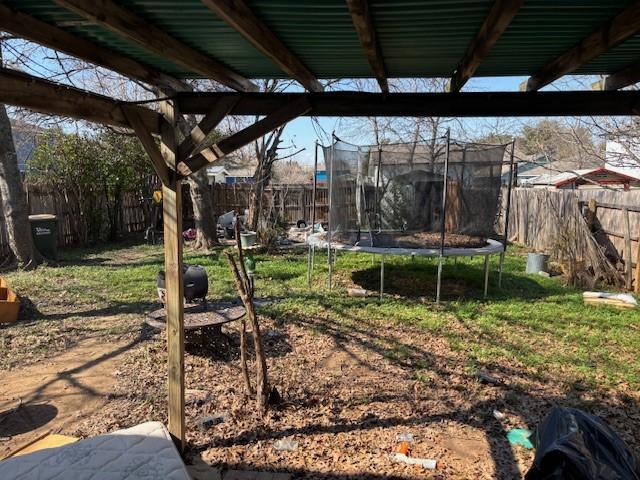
(9, 304)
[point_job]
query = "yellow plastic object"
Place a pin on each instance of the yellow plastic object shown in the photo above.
(9, 305)
(157, 196)
(49, 440)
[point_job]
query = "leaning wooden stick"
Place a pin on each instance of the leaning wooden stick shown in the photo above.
(243, 327)
(244, 285)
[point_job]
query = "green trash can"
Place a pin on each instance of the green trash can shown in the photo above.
(44, 229)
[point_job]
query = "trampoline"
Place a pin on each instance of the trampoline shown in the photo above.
(439, 199)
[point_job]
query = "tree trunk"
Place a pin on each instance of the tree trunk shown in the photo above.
(15, 211)
(255, 200)
(201, 200)
(203, 213)
(267, 155)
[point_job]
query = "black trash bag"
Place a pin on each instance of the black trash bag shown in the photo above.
(575, 445)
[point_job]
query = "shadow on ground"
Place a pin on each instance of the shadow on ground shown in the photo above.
(459, 280)
(25, 418)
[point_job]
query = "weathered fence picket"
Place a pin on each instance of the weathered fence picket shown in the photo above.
(540, 217)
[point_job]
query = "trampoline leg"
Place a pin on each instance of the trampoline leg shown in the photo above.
(309, 267)
(500, 270)
(381, 276)
(330, 265)
(439, 281)
(486, 275)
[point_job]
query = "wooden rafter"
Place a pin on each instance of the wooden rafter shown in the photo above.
(124, 22)
(276, 119)
(499, 18)
(30, 28)
(363, 24)
(241, 17)
(623, 78)
(618, 29)
(149, 144)
(23, 90)
(468, 104)
(199, 133)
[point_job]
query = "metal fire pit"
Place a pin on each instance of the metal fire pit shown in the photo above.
(206, 317)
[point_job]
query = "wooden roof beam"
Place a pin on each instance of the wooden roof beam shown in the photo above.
(198, 135)
(499, 18)
(363, 23)
(622, 78)
(23, 90)
(124, 22)
(465, 104)
(148, 143)
(241, 17)
(285, 113)
(30, 28)
(624, 25)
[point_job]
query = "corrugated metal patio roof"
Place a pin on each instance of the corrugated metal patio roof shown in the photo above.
(417, 38)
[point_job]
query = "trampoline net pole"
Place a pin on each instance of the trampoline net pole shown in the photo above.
(315, 188)
(445, 182)
(505, 239)
(330, 171)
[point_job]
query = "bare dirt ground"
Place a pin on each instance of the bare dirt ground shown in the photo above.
(58, 392)
(348, 391)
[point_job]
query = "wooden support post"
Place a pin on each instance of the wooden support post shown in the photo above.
(172, 210)
(627, 249)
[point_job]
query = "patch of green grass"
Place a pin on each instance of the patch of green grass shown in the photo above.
(534, 322)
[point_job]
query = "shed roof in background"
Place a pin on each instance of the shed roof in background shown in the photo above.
(417, 38)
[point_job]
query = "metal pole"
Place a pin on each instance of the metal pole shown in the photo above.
(505, 238)
(444, 216)
(486, 275)
(330, 173)
(313, 216)
(309, 267)
(315, 186)
(381, 276)
(376, 212)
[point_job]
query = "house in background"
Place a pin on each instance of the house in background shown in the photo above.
(548, 173)
(593, 178)
(232, 172)
(217, 174)
(522, 167)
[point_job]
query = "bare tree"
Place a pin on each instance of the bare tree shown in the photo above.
(266, 151)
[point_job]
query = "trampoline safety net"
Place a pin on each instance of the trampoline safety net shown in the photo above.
(392, 195)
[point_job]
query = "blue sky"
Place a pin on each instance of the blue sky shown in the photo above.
(302, 134)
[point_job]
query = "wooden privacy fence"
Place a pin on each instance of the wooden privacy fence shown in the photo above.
(66, 206)
(542, 219)
(290, 203)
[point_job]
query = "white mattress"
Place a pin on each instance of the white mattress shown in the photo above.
(143, 452)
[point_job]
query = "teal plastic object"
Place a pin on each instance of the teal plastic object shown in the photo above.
(520, 436)
(250, 264)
